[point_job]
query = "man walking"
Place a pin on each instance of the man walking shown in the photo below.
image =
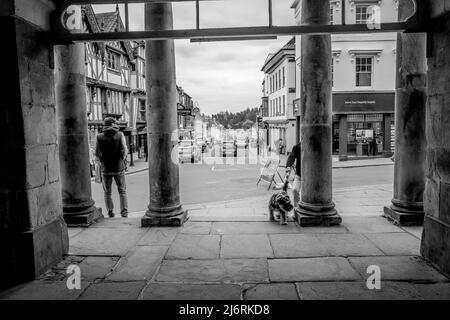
(295, 157)
(111, 150)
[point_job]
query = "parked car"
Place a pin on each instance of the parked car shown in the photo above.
(229, 148)
(188, 151)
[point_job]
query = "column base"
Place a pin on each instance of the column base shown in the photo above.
(307, 218)
(84, 218)
(175, 218)
(33, 252)
(412, 218)
(435, 246)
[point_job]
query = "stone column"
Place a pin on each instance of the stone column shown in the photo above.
(410, 141)
(71, 109)
(343, 140)
(316, 206)
(165, 207)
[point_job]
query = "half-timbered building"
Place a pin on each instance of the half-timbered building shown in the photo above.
(108, 74)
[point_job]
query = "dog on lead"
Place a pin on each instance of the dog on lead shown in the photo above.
(281, 203)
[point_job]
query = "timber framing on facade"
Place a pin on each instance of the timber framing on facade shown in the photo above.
(415, 23)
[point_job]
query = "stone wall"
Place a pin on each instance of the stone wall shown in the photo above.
(436, 236)
(33, 235)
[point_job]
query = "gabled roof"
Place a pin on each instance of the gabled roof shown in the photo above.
(106, 22)
(273, 58)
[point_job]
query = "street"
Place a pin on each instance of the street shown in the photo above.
(201, 183)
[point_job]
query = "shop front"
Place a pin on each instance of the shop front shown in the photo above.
(362, 124)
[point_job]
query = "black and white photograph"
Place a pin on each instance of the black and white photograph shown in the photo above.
(225, 158)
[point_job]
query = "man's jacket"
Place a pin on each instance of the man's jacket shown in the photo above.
(111, 150)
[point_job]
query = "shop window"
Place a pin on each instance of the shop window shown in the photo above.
(376, 117)
(364, 66)
(355, 117)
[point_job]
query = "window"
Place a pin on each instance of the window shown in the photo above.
(284, 105)
(284, 77)
(364, 71)
(276, 81)
(279, 104)
(113, 60)
(363, 14)
(332, 71)
(279, 79)
(142, 110)
(331, 14)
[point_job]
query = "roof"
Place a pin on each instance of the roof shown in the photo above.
(272, 58)
(106, 22)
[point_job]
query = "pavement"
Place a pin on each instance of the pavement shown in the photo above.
(229, 250)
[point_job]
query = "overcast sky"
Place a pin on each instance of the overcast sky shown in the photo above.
(221, 76)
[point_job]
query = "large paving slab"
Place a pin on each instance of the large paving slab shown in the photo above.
(312, 269)
(140, 264)
(320, 230)
(113, 291)
(74, 231)
(348, 244)
(178, 291)
(105, 241)
(369, 225)
(396, 243)
(435, 291)
(158, 236)
(194, 227)
(356, 290)
(93, 268)
(245, 246)
(297, 246)
(322, 245)
(415, 231)
(232, 270)
(402, 268)
(118, 222)
(43, 290)
(271, 291)
(222, 218)
(252, 228)
(190, 246)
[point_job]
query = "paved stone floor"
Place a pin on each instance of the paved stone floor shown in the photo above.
(228, 250)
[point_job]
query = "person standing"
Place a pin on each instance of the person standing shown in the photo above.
(295, 158)
(111, 151)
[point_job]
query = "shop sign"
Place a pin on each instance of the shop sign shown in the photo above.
(184, 112)
(363, 102)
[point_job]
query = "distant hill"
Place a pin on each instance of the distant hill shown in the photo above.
(240, 120)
